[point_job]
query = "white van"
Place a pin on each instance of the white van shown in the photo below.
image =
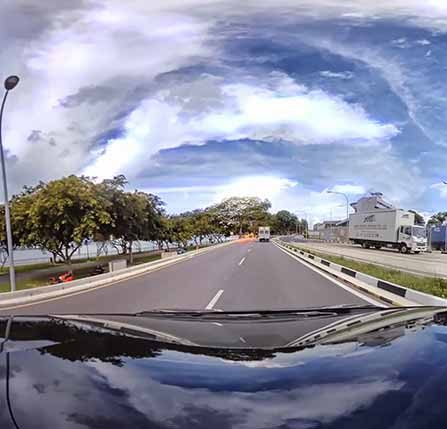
(264, 233)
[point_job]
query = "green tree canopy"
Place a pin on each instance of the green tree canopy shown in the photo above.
(241, 214)
(60, 215)
(285, 222)
(437, 218)
(135, 215)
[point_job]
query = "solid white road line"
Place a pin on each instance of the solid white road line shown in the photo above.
(212, 303)
(328, 277)
(242, 261)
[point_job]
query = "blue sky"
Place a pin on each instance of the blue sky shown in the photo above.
(200, 100)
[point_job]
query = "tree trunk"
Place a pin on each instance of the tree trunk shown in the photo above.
(67, 258)
(4, 256)
(130, 253)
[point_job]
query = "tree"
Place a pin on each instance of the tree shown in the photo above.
(200, 224)
(304, 227)
(418, 219)
(182, 229)
(135, 215)
(134, 219)
(163, 233)
(241, 214)
(285, 222)
(437, 219)
(60, 215)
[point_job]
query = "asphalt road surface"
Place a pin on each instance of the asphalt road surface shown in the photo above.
(241, 276)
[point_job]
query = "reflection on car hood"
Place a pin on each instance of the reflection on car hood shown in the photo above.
(71, 374)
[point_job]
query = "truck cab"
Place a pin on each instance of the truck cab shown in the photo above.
(412, 238)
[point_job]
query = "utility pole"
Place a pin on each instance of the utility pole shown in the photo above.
(10, 83)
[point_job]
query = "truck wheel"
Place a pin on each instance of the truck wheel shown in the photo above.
(365, 245)
(403, 248)
(378, 247)
(416, 252)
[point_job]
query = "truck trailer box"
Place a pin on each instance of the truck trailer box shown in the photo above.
(438, 235)
(264, 233)
(379, 225)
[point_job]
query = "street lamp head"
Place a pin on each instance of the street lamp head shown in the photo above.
(11, 82)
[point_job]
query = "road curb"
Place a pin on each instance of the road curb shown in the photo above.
(35, 295)
(379, 285)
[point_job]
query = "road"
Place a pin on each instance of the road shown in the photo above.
(428, 264)
(241, 276)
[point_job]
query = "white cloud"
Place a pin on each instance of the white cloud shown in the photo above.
(400, 43)
(255, 186)
(423, 42)
(441, 187)
(275, 108)
(339, 75)
(105, 44)
(120, 49)
(270, 187)
(349, 189)
(430, 14)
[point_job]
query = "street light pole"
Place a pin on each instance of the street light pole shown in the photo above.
(347, 202)
(10, 83)
(347, 209)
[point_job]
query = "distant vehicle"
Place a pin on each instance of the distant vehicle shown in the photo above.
(376, 224)
(264, 233)
(99, 269)
(181, 250)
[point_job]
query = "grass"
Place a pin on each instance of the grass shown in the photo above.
(41, 279)
(25, 268)
(144, 259)
(431, 285)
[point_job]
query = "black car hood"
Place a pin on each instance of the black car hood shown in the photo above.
(59, 374)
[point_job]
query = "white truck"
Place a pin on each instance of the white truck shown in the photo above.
(264, 233)
(378, 224)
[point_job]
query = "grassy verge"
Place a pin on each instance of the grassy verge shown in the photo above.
(41, 279)
(432, 285)
(101, 260)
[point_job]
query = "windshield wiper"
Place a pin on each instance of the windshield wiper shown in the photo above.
(327, 311)
(123, 328)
